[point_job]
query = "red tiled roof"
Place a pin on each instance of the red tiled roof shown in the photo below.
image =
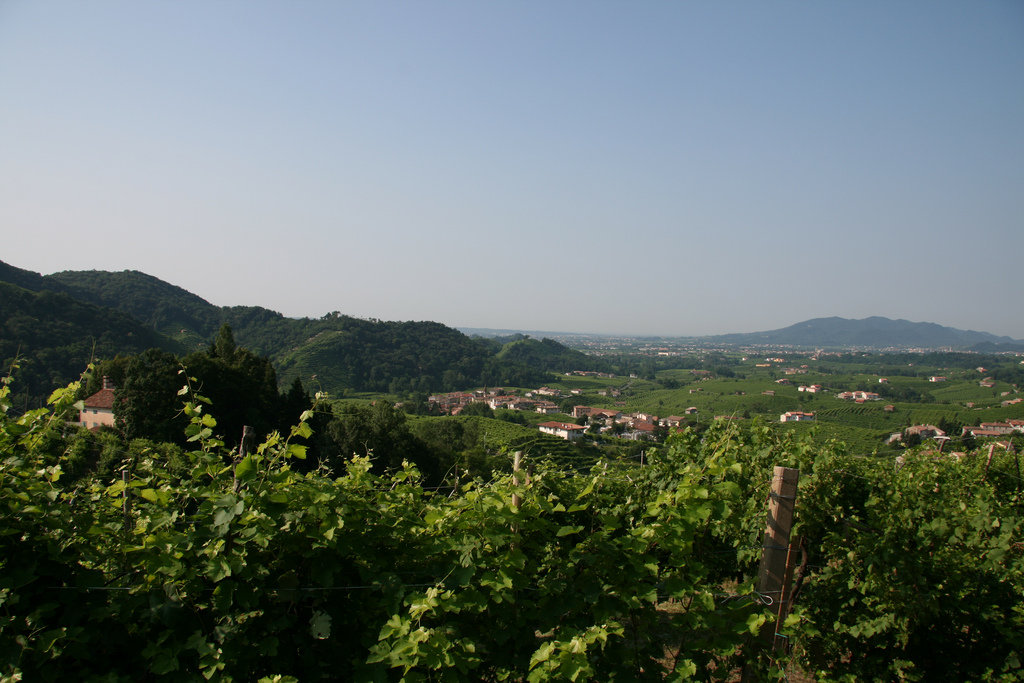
(977, 431)
(561, 425)
(104, 398)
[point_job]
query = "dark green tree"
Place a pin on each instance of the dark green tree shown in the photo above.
(224, 348)
(381, 432)
(243, 389)
(479, 409)
(146, 403)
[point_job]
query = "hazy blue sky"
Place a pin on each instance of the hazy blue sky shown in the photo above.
(681, 168)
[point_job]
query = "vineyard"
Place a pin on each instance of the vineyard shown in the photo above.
(864, 416)
(235, 567)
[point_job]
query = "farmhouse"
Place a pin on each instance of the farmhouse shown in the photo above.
(640, 431)
(925, 431)
(796, 416)
(599, 413)
(997, 427)
(98, 410)
(979, 431)
(564, 430)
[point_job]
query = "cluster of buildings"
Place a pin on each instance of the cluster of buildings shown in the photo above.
(636, 426)
(996, 428)
(924, 431)
(985, 429)
(537, 400)
(858, 396)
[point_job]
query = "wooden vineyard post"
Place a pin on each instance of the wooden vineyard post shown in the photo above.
(126, 504)
(516, 464)
(245, 448)
(776, 573)
(988, 463)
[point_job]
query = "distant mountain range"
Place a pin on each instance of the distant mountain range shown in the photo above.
(874, 333)
(821, 333)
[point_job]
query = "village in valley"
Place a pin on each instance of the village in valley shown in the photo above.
(621, 407)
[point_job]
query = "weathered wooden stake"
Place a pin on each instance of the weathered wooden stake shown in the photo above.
(778, 558)
(516, 464)
(126, 505)
(456, 487)
(988, 463)
(244, 449)
(776, 570)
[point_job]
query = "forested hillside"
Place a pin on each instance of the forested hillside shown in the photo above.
(162, 306)
(396, 357)
(34, 282)
(56, 337)
(180, 314)
(548, 354)
(128, 311)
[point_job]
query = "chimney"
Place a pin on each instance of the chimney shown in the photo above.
(107, 382)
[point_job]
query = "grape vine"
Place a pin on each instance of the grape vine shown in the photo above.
(216, 566)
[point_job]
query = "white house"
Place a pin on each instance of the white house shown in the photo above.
(564, 430)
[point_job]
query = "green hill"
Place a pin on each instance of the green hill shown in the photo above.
(34, 282)
(372, 355)
(155, 303)
(181, 314)
(55, 336)
(340, 352)
(548, 354)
